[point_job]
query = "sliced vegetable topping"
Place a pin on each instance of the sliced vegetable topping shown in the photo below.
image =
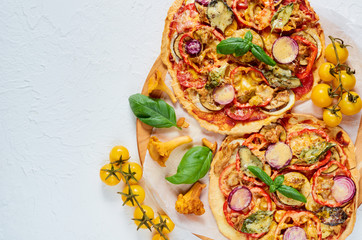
(282, 102)
(312, 154)
(219, 14)
(278, 155)
(343, 189)
(285, 50)
(224, 94)
(239, 198)
(281, 17)
(203, 2)
(323, 185)
(247, 158)
(295, 233)
(332, 216)
(239, 114)
(258, 222)
(281, 78)
(193, 47)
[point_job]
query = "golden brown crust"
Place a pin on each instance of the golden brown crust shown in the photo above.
(217, 199)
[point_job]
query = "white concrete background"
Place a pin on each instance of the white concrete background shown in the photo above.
(67, 69)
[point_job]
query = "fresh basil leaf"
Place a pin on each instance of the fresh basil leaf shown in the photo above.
(248, 36)
(193, 166)
(291, 193)
(257, 171)
(258, 222)
(154, 112)
(278, 181)
(281, 17)
(312, 154)
(231, 45)
(259, 53)
(272, 188)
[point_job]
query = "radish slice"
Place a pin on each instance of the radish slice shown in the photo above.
(285, 50)
(295, 233)
(224, 94)
(193, 47)
(343, 189)
(239, 198)
(278, 155)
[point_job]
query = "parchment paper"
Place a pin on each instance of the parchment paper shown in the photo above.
(166, 193)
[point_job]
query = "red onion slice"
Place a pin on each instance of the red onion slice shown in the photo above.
(285, 50)
(343, 189)
(193, 47)
(203, 2)
(278, 155)
(224, 95)
(295, 233)
(239, 198)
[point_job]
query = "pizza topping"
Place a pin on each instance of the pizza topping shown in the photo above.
(281, 17)
(256, 13)
(203, 2)
(246, 159)
(333, 189)
(207, 100)
(285, 50)
(281, 78)
(295, 233)
(303, 219)
(303, 72)
(311, 35)
(343, 189)
(216, 77)
(282, 102)
(219, 14)
(278, 155)
(239, 114)
(224, 94)
(193, 47)
(313, 153)
(332, 216)
(274, 133)
(258, 222)
(239, 198)
(299, 182)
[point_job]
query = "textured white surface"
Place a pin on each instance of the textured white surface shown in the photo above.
(66, 71)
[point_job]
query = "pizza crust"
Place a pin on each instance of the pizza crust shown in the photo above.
(217, 199)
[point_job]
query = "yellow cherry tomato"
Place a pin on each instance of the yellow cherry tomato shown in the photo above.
(139, 215)
(348, 80)
(332, 119)
(109, 174)
(324, 72)
(169, 223)
(137, 190)
(132, 168)
(118, 154)
(320, 96)
(341, 51)
(157, 236)
(350, 106)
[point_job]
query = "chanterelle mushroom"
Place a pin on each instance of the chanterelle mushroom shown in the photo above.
(156, 83)
(160, 151)
(190, 202)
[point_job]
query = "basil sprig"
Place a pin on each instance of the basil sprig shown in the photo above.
(193, 166)
(240, 46)
(154, 112)
(277, 184)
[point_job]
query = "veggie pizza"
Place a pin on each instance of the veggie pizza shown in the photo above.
(294, 179)
(237, 65)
